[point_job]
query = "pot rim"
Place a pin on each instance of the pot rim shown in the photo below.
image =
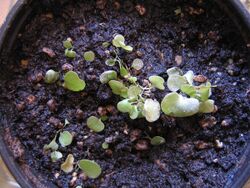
(13, 23)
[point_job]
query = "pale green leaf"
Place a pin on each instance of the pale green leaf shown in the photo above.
(207, 106)
(118, 88)
(124, 106)
(51, 76)
(134, 91)
(95, 124)
(137, 64)
(106, 76)
(134, 113)
(73, 82)
(65, 138)
(89, 56)
(151, 110)
(190, 77)
(70, 53)
(175, 82)
(67, 44)
(105, 145)
(90, 168)
(55, 156)
(123, 71)
(176, 105)
(157, 82)
(174, 71)
(189, 90)
(52, 145)
(110, 62)
(117, 39)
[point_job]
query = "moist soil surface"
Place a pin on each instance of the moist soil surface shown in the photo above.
(199, 38)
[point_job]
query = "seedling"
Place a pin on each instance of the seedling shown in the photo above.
(73, 82)
(52, 145)
(95, 124)
(119, 42)
(70, 53)
(55, 156)
(65, 138)
(51, 76)
(68, 164)
(89, 56)
(157, 82)
(67, 44)
(157, 140)
(90, 168)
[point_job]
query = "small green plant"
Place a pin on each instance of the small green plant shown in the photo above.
(95, 124)
(73, 82)
(157, 140)
(119, 42)
(90, 168)
(52, 145)
(65, 138)
(69, 52)
(89, 56)
(51, 76)
(55, 156)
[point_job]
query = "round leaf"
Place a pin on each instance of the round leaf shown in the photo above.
(68, 165)
(107, 76)
(70, 53)
(137, 64)
(157, 140)
(110, 62)
(90, 168)
(117, 39)
(73, 82)
(67, 44)
(124, 106)
(174, 71)
(175, 82)
(151, 110)
(157, 82)
(105, 145)
(55, 156)
(65, 138)
(89, 56)
(176, 105)
(51, 76)
(95, 124)
(134, 91)
(207, 106)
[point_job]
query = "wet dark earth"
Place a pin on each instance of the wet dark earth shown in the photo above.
(200, 151)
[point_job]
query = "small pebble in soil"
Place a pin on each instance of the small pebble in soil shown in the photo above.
(200, 145)
(139, 53)
(100, 4)
(135, 134)
(208, 122)
(67, 67)
(31, 99)
(57, 175)
(117, 5)
(142, 145)
(102, 111)
(160, 164)
(79, 114)
(55, 122)
(52, 105)
(49, 52)
(20, 106)
(111, 109)
(218, 144)
(24, 64)
(140, 9)
(108, 152)
(178, 59)
(226, 122)
(200, 78)
(36, 78)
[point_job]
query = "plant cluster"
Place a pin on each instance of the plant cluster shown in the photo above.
(185, 99)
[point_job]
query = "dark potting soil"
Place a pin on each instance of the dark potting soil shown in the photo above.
(201, 38)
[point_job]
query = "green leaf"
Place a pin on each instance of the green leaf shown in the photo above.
(175, 82)
(90, 168)
(134, 92)
(89, 56)
(189, 90)
(51, 76)
(55, 156)
(70, 53)
(123, 71)
(105, 145)
(65, 138)
(157, 140)
(124, 106)
(67, 44)
(134, 113)
(105, 44)
(104, 118)
(68, 165)
(137, 64)
(52, 145)
(176, 105)
(110, 62)
(157, 82)
(132, 79)
(117, 39)
(73, 82)
(107, 76)
(127, 48)
(151, 110)
(207, 106)
(189, 77)
(174, 71)
(118, 88)
(95, 124)
(204, 92)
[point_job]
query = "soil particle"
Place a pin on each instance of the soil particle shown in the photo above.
(49, 52)
(142, 145)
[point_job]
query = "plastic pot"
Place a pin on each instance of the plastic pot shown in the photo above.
(8, 32)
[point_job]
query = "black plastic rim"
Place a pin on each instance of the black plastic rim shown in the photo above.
(12, 25)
